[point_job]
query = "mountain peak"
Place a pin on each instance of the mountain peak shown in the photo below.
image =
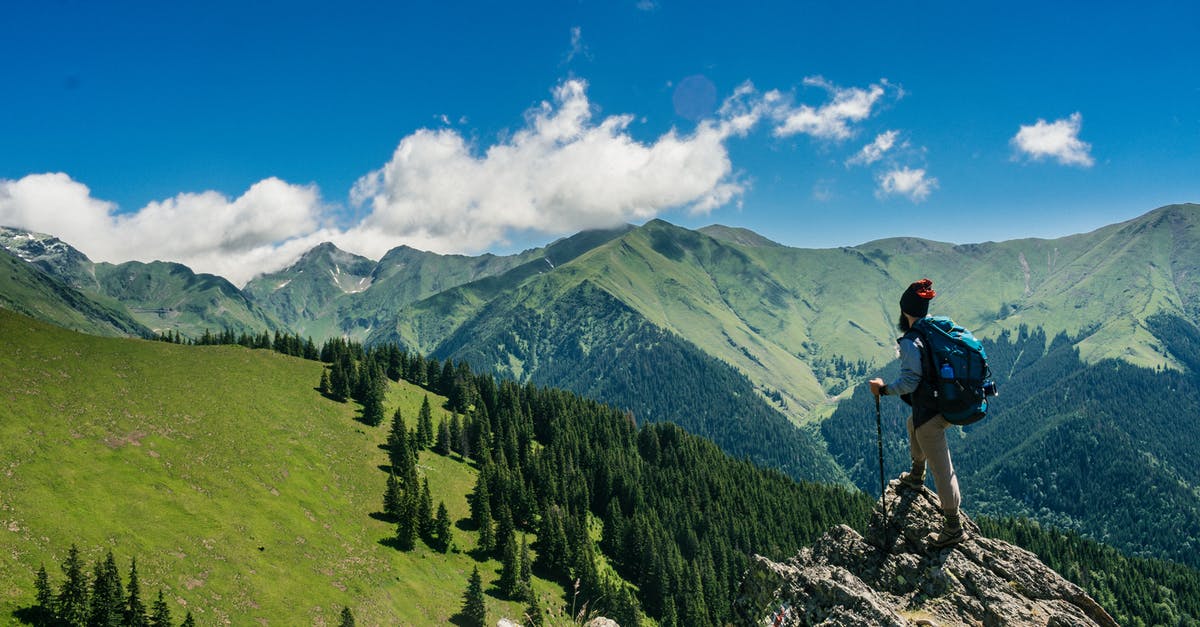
(738, 235)
(891, 577)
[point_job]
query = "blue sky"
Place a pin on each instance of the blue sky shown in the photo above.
(231, 136)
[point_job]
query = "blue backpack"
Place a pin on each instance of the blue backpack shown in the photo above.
(957, 372)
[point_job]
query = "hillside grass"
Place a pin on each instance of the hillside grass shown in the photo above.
(245, 495)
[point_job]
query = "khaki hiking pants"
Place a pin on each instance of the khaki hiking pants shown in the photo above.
(928, 444)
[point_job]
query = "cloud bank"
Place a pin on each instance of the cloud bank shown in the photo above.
(1058, 140)
(563, 170)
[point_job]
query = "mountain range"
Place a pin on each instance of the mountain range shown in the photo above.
(720, 330)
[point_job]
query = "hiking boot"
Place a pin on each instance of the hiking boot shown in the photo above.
(912, 481)
(952, 533)
(915, 478)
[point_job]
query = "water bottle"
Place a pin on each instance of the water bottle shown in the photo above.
(949, 391)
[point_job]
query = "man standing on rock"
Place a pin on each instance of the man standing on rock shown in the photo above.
(926, 427)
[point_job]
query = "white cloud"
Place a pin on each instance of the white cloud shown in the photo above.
(873, 151)
(1058, 140)
(909, 182)
(562, 172)
(206, 231)
(647, 5)
(831, 120)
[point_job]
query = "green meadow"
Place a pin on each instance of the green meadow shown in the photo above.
(246, 496)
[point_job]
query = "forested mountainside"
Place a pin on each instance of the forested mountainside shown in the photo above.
(240, 513)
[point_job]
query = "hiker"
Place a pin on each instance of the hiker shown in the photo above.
(926, 427)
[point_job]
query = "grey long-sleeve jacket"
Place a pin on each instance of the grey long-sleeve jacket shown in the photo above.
(912, 353)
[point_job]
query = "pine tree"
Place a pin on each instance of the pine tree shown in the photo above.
(397, 435)
(71, 603)
(347, 618)
(392, 498)
(487, 532)
(474, 609)
(324, 386)
(45, 597)
(525, 575)
(505, 532)
(425, 511)
(135, 609)
(107, 599)
(374, 390)
(510, 570)
(189, 621)
(425, 424)
(160, 616)
(534, 617)
(442, 447)
(407, 527)
(441, 529)
(456, 434)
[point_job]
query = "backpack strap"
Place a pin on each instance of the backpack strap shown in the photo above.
(923, 399)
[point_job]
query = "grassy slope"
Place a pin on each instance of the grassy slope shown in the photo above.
(192, 458)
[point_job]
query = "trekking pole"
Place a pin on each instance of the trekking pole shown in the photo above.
(879, 432)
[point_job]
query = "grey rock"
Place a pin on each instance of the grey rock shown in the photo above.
(892, 577)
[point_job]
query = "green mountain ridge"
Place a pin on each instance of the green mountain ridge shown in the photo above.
(331, 293)
(26, 289)
(161, 296)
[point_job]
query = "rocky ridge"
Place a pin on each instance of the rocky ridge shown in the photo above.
(892, 577)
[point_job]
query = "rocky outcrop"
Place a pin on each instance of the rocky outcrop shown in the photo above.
(892, 577)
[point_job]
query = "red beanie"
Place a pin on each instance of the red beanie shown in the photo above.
(915, 300)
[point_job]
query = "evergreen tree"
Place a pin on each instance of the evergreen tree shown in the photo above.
(525, 574)
(392, 498)
(189, 621)
(72, 601)
(505, 532)
(339, 379)
(474, 609)
(347, 618)
(534, 617)
(456, 434)
(106, 608)
(407, 527)
(397, 435)
(45, 597)
(510, 570)
(374, 391)
(160, 616)
(441, 528)
(487, 531)
(442, 447)
(425, 511)
(324, 386)
(425, 424)
(135, 609)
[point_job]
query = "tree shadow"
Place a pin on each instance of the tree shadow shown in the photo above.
(385, 467)
(383, 517)
(461, 620)
(31, 615)
(392, 543)
(466, 524)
